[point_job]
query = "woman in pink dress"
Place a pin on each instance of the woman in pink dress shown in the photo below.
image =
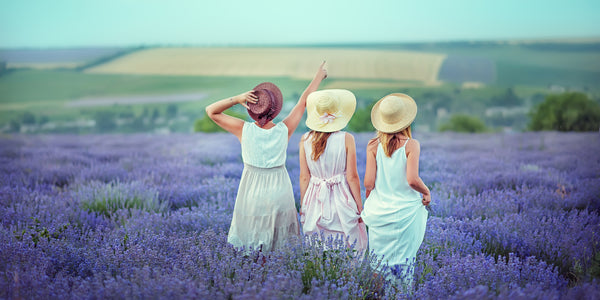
(329, 183)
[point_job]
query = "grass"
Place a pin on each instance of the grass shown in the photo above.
(511, 73)
(47, 91)
(106, 199)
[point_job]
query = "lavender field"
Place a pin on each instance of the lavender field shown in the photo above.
(146, 216)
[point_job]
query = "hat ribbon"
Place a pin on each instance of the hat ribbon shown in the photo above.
(327, 118)
(262, 120)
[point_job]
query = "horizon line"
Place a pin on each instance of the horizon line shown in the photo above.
(508, 41)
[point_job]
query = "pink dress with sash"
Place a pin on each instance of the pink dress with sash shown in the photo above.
(328, 206)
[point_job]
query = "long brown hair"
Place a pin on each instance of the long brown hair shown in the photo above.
(319, 142)
(392, 141)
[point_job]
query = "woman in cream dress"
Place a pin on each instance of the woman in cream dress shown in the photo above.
(264, 215)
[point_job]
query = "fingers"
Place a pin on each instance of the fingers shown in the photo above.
(426, 201)
(323, 70)
(250, 97)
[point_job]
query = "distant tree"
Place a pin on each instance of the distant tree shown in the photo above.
(509, 98)
(205, 124)
(361, 120)
(14, 126)
(28, 118)
(171, 111)
(537, 98)
(464, 123)
(566, 112)
(126, 113)
(43, 119)
(2, 67)
(105, 120)
(138, 124)
(155, 114)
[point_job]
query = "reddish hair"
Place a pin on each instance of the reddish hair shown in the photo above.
(319, 142)
(392, 141)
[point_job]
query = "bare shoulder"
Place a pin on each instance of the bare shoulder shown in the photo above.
(412, 145)
(349, 138)
(304, 137)
(414, 142)
(372, 145)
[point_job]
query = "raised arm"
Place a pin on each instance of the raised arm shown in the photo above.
(227, 122)
(352, 172)
(294, 117)
(413, 150)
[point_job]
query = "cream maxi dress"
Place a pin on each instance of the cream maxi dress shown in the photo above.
(264, 215)
(394, 213)
(328, 205)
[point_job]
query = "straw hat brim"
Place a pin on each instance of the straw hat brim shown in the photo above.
(346, 108)
(409, 113)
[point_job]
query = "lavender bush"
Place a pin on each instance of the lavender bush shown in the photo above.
(146, 216)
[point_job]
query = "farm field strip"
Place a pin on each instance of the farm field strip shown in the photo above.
(292, 62)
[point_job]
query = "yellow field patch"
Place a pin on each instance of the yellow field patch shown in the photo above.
(293, 62)
(356, 84)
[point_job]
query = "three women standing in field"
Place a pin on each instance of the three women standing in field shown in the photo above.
(264, 215)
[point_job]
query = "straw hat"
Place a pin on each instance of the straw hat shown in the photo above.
(329, 110)
(268, 105)
(393, 113)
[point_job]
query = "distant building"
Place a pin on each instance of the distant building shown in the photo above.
(556, 88)
(506, 111)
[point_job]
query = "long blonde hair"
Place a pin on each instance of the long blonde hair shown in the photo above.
(319, 142)
(392, 141)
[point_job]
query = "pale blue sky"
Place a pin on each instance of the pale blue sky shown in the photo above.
(82, 23)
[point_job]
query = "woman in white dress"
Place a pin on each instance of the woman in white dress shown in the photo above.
(395, 208)
(329, 182)
(264, 215)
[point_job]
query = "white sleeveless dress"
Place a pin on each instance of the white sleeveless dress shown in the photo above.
(394, 213)
(264, 215)
(328, 205)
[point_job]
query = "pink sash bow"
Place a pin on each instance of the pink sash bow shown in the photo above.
(325, 186)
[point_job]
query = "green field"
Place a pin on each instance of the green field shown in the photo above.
(529, 72)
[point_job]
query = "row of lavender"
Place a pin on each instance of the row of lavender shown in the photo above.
(132, 216)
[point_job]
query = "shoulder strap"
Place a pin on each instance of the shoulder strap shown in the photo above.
(406, 142)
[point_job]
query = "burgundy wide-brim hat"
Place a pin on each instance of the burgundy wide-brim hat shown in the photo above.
(268, 105)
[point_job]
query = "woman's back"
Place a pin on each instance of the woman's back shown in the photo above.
(264, 148)
(332, 161)
(391, 182)
(328, 206)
